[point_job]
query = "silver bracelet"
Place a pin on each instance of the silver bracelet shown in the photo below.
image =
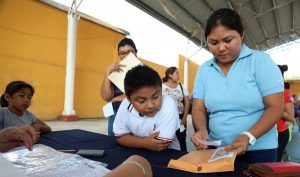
(137, 164)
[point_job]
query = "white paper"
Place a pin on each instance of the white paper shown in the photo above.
(220, 153)
(108, 109)
(91, 170)
(117, 78)
(44, 161)
(210, 143)
(8, 169)
(182, 128)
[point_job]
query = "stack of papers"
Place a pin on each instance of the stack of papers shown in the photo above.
(44, 161)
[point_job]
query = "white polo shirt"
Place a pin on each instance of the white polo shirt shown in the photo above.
(166, 121)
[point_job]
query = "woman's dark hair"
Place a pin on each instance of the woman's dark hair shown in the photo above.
(225, 17)
(283, 68)
(170, 70)
(140, 76)
(12, 88)
(127, 41)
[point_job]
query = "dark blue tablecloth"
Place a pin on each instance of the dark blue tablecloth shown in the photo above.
(116, 154)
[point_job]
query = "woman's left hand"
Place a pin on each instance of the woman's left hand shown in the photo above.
(240, 144)
(184, 120)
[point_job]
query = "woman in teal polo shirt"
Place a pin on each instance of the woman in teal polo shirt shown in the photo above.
(243, 90)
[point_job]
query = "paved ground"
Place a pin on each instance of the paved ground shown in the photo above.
(93, 125)
(100, 126)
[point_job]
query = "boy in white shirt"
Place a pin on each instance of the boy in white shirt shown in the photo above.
(146, 119)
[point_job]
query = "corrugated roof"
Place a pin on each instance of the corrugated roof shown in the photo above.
(268, 23)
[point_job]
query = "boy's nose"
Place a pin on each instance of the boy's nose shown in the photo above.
(150, 104)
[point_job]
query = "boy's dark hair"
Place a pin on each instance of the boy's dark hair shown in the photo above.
(225, 17)
(170, 70)
(12, 88)
(140, 76)
(127, 41)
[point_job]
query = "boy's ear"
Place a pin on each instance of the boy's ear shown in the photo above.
(6, 96)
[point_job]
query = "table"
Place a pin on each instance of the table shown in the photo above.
(116, 154)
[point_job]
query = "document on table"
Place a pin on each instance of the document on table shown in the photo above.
(10, 170)
(117, 78)
(85, 169)
(44, 161)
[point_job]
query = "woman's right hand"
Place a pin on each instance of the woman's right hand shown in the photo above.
(200, 135)
(114, 67)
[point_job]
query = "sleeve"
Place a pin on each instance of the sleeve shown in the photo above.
(32, 118)
(198, 91)
(185, 91)
(163, 88)
(267, 74)
(121, 126)
(169, 119)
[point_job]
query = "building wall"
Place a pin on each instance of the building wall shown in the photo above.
(295, 87)
(193, 68)
(33, 39)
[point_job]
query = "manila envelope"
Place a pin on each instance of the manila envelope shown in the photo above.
(197, 162)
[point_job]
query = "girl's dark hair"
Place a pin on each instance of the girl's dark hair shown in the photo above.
(12, 88)
(225, 17)
(127, 41)
(140, 76)
(170, 70)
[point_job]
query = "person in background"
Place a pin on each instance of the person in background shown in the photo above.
(179, 93)
(16, 136)
(287, 116)
(146, 119)
(110, 92)
(296, 112)
(14, 104)
(243, 90)
(134, 166)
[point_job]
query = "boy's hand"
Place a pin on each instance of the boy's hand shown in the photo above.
(154, 144)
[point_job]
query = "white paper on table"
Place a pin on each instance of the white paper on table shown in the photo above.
(91, 170)
(117, 78)
(108, 109)
(8, 169)
(44, 161)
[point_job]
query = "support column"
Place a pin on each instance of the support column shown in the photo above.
(69, 112)
(186, 72)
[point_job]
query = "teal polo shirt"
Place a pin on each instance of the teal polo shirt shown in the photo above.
(236, 100)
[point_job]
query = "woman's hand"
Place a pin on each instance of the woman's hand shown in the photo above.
(200, 135)
(114, 67)
(184, 120)
(240, 144)
(154, 144)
